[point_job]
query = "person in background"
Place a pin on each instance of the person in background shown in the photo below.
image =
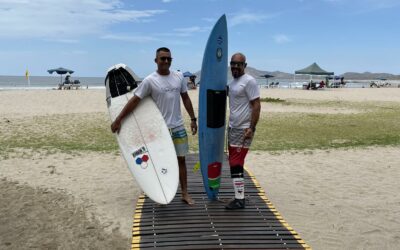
(342, 82)
(244, 104)
(192, 82)
(67, 80)
(166, 87)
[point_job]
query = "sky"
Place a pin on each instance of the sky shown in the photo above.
(89, 36)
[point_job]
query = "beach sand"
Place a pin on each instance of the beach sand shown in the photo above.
(335, 199)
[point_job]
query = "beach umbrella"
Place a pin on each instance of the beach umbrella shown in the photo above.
(266, 76)
(61, 71)
(187, 74)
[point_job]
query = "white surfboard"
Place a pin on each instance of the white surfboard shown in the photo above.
(144, 139)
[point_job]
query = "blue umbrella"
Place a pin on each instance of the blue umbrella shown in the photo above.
(61, 71)
(187, 74)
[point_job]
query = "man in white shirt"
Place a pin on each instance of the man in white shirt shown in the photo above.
(166, 88)
(244, 105)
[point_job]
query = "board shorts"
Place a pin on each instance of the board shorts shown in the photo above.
(180, 139)
(238, 147)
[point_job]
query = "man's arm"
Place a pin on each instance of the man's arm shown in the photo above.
(255, 116)
(129, 107)
(189, 108)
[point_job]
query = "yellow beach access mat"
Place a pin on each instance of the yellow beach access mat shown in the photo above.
(208, 225)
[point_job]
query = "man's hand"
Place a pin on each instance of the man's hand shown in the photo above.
(116, 126)
(248, 133)
(129, 107)
(193, 126)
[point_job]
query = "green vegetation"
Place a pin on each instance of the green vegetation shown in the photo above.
(284, 131)
(270, 99)
(372, 124)
(68, 133)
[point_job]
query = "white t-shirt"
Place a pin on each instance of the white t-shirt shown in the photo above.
(166, 92)
(242, 90)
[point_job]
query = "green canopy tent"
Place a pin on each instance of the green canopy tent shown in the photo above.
(313, 69)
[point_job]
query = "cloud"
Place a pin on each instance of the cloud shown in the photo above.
(68, 19)
(246, 18)
(79, 52)
(130, 38)
(379, 4)
(190, 30)
(280, 38)
(68, 41)
(365, 6)
(168, 36)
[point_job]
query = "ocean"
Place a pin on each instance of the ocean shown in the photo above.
(50, 82)
(46, 82)
(289, 83)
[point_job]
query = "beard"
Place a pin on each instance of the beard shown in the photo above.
(236, 73)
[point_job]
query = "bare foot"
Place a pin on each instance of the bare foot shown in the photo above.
(187, 199)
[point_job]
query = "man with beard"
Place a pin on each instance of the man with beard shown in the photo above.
(244, 104)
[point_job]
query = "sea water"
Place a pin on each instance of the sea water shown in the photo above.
(290, 83)
(47, 82)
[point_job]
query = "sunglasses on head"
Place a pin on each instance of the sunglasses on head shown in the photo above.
(236, 64)
(165, 58)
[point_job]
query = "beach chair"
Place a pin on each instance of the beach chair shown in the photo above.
(76, 84)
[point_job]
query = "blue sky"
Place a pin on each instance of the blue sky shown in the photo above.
(89, 36)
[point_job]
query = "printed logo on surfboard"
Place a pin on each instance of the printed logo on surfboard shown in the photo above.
(214, 175)
(141, 157)
(220, 40)
(219, 53)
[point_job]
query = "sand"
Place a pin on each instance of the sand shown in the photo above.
(335, 199)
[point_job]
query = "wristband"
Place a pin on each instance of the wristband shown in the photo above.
(194, 119)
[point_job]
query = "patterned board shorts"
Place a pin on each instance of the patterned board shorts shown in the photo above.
(238, 148)
(180, 139)
(236, 138)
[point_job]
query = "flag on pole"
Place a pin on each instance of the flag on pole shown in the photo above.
(27, 77)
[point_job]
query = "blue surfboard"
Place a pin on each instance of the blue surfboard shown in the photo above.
(212, 107)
